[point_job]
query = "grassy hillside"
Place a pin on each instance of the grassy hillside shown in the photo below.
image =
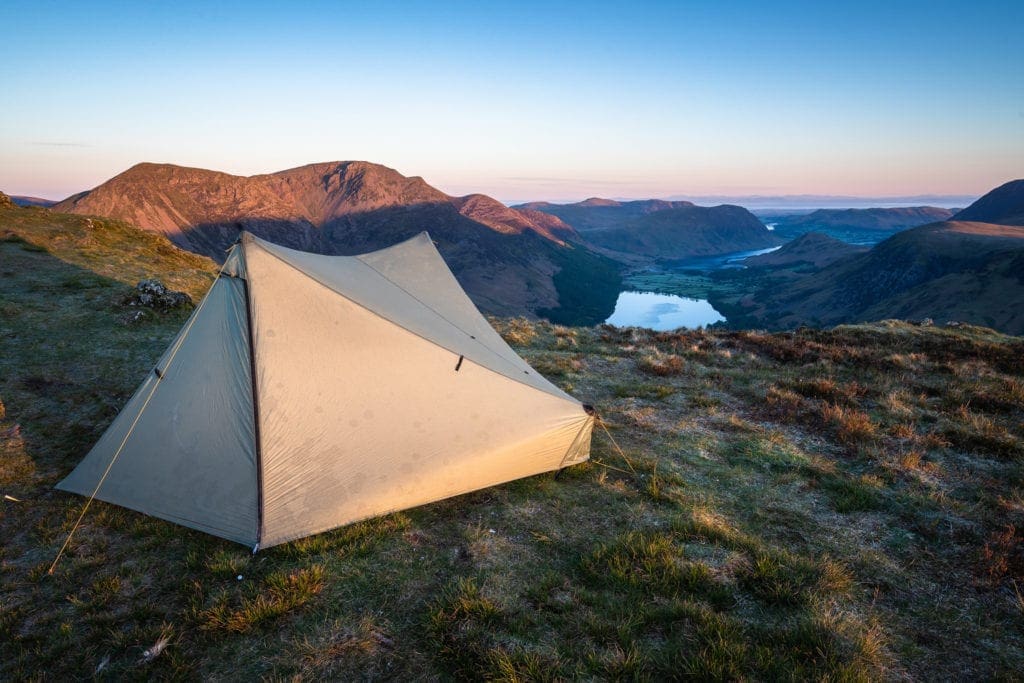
(844, 504)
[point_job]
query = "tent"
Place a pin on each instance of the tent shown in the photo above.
(307, 392)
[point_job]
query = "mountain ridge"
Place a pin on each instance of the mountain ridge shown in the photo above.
(661, 229)
(506, 260)
(895, 218)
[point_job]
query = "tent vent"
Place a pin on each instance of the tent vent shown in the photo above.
(159, 374)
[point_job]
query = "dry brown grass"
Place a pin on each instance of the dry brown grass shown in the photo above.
(851, 426)
(661, 365)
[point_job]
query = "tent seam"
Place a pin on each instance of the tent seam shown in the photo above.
(257, 437)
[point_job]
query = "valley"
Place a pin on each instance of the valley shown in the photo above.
(588, 262)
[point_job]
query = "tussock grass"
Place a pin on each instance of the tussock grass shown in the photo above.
(280, 593)
(661, 365)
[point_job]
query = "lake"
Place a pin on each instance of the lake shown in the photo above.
(731, 260)
(641, 307)
(662, 311)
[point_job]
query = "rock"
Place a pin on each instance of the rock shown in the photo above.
(154, 295)
(953, 323)
(5, 202)
(134, 317)
(927, 322)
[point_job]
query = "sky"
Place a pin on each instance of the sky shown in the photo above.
(520, 100)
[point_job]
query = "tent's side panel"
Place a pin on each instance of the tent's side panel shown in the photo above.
(190, 457)
(360, 417)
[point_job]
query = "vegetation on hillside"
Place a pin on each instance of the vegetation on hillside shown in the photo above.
(841, 504)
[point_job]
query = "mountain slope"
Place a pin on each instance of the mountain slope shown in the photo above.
(869, 219)
(949, 271)
(655, 228)
(812, 248)
(21, 200)
(1003, 205)
(683, 232)
(599, 214)
(506, 260)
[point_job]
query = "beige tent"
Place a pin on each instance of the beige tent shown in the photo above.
(307, 392)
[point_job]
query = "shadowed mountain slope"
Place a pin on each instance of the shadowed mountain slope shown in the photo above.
(813, 248)
(687, 231)
(1003, 205)
(506, 260)
(599, 214)
(964, 271)
(654, 228)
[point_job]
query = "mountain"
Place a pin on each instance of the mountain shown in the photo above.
(509, 262)
(1003, 205)
(869, 219)
(956, 270)
(599, 214)
(32, 201)
(654, 228)
(684, 232)
(810, 249)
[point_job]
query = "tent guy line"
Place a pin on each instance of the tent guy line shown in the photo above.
(113, 459)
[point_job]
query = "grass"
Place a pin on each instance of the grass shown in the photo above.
(841, 504)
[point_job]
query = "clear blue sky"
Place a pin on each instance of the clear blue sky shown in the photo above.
(521, 100)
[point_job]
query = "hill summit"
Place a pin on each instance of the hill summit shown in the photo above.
(1003, 205)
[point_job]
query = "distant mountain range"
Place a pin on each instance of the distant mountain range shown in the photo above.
(510, 262)
(970, 271)
(660, 229)
(762, 204)
(895, 218)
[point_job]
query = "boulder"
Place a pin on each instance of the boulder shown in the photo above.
(152, 294)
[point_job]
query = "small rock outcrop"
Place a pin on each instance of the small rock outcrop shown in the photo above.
(5, 202)
(152, 295)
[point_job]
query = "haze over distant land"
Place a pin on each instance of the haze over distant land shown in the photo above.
(762, 203)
